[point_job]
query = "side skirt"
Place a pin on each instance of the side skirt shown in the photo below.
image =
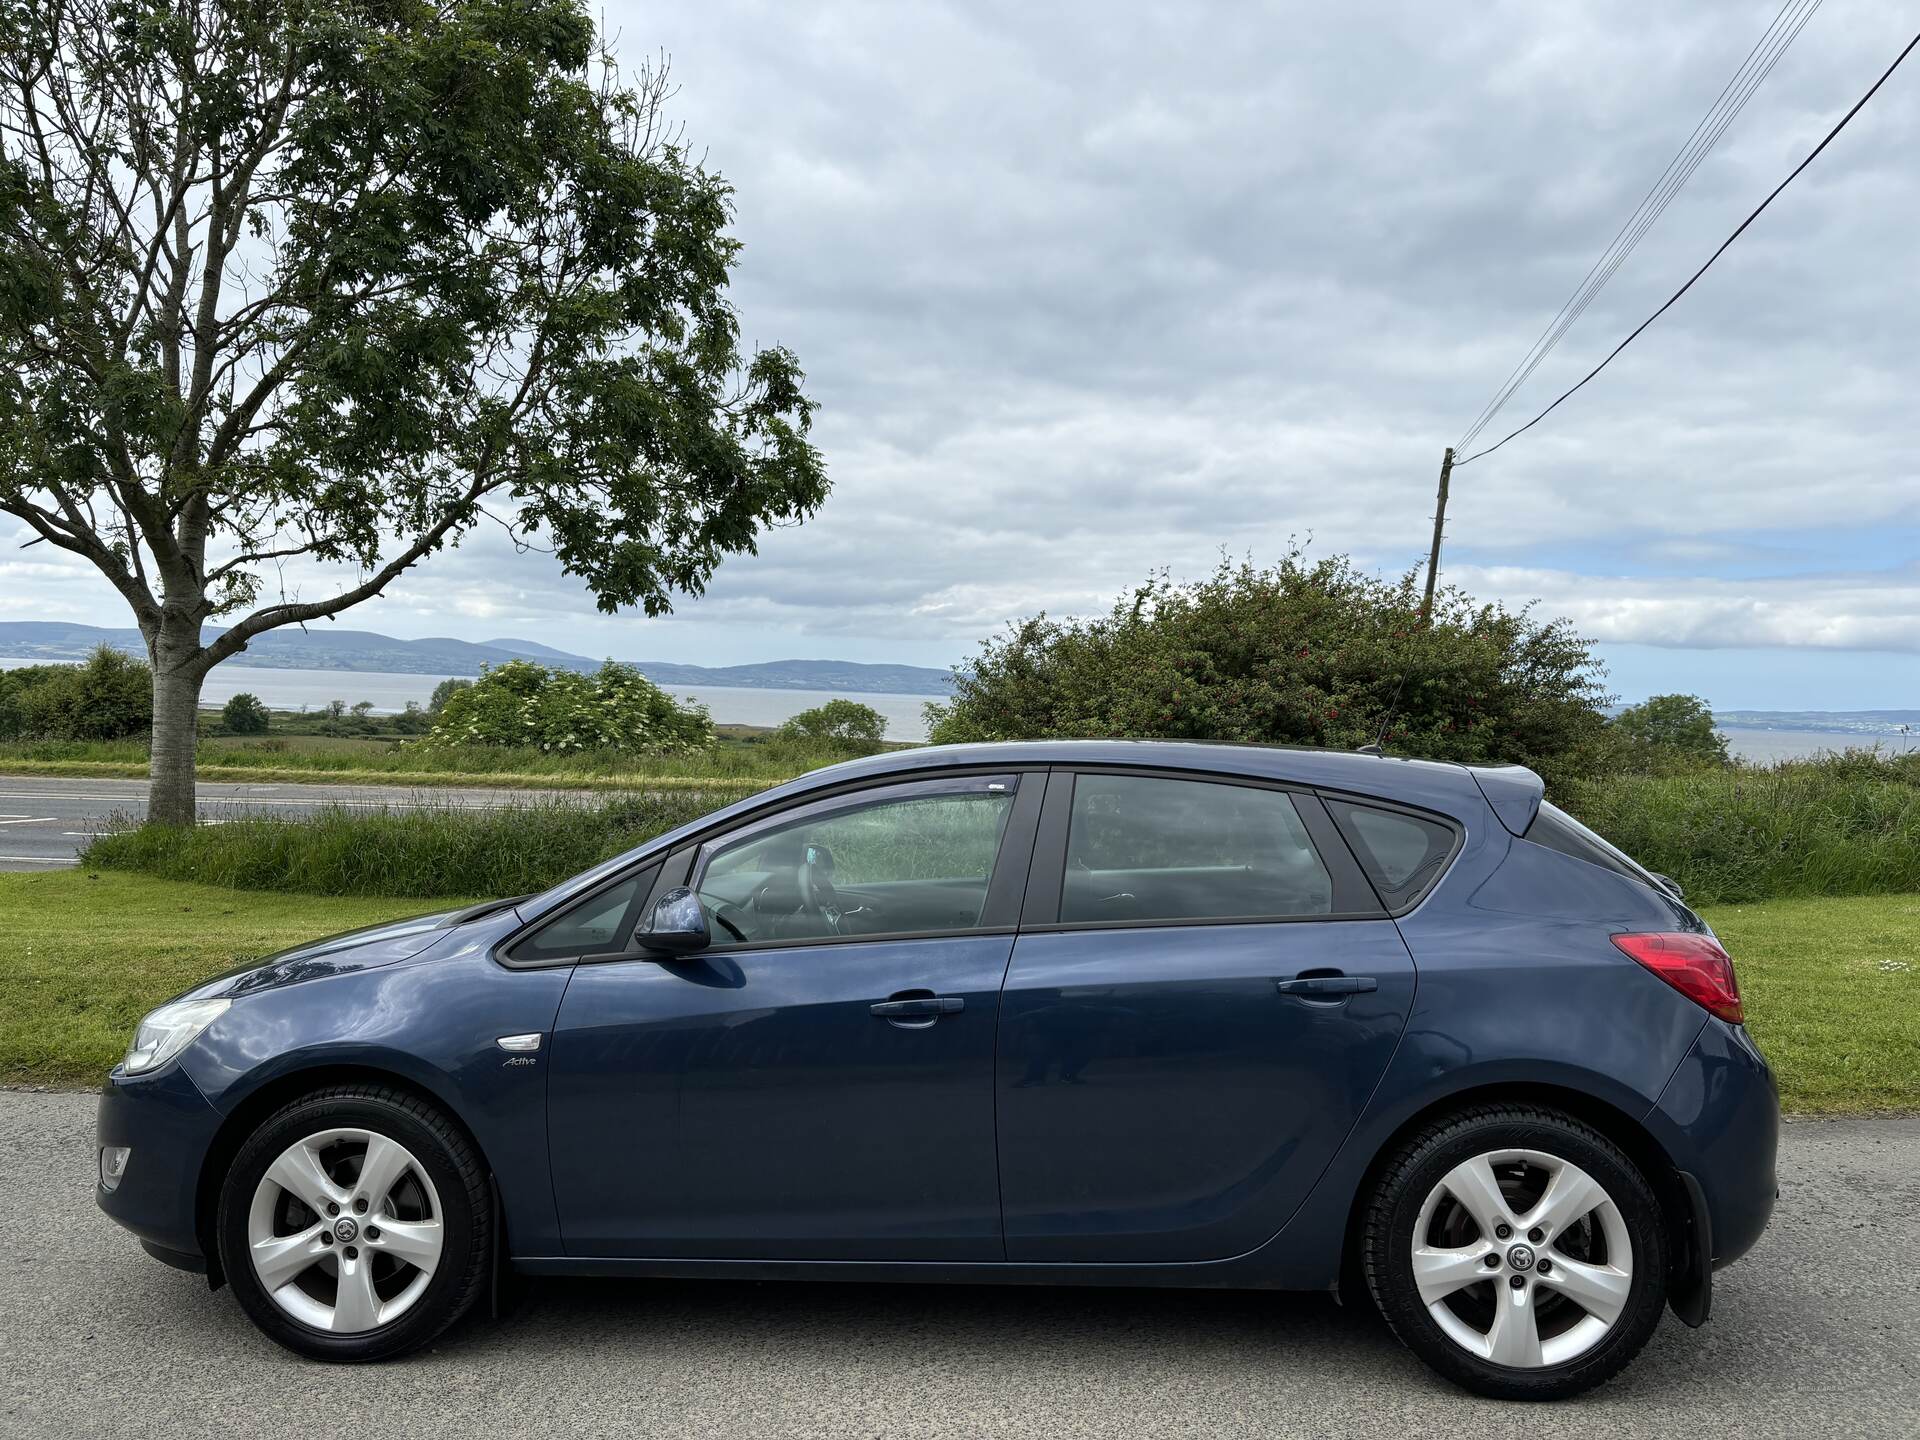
(1218, 1275)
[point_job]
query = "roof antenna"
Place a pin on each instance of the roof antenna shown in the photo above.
(1378, 747)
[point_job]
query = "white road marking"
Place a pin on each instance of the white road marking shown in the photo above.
(38, 860)
(24, 820)
(284, 802)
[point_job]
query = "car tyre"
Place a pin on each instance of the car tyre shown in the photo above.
(436, 1202)
(1518, 1303)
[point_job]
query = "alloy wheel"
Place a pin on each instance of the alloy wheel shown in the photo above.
(1522, 1258)
(345, 1231)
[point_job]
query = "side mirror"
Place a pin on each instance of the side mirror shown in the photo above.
(678, 924)
(1672, 885)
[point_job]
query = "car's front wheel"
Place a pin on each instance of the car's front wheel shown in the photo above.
(354, 1224)
(1517, 1251)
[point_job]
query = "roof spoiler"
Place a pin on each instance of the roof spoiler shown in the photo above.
(1513, 791)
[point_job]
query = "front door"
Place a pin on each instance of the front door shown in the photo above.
(819, 1084)
(1161, 1097)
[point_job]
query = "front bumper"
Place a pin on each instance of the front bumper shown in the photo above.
(1719, 1120)
(169, 1126)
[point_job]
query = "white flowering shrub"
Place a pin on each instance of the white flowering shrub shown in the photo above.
(561, 711)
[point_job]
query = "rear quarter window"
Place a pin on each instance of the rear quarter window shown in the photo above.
(1557, 830)
(1404, 854)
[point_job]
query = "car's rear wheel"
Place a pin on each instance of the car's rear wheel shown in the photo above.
(1517, 1251)
(354, 1224)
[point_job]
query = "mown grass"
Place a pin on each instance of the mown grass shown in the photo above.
(422, 853)
(87, 954)
(1832, 990)
(1838, 825)
(1832, 986)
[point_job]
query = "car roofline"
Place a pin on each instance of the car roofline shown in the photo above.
(1446, 787)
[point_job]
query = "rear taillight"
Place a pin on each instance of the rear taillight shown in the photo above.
(1695, 965)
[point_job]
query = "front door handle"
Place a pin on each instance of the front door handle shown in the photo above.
(918, 1009)
(1327, 987)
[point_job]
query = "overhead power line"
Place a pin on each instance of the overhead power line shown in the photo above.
(1733, 98)
(1726, 244)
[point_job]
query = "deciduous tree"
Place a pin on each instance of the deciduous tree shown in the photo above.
(319, 287)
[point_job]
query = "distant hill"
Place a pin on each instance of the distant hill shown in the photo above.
(364, 650)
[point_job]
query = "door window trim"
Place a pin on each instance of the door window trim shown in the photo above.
(1352, 843)
(1353, 896)
(679, 862)
(1006, 882)
(629, 925)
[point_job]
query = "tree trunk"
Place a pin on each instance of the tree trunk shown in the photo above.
(177, 675)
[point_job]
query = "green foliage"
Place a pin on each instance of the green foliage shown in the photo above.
(839, 727)
(1669, 732)
(1303, 654)
(1844, 824)
(512, 850)
(562, 711)
(295, 279)
(109, 697)
(244, 714)
(445, 691)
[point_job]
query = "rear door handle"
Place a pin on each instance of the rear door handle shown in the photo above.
(924, 1005)
(1323, 987)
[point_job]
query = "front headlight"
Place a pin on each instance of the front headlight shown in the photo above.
(168, 1031)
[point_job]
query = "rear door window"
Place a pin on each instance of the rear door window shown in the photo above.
(1403, 854)
(1145, 848)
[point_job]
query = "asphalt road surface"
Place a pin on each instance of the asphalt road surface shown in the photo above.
(1814, 1334)
(44, 820)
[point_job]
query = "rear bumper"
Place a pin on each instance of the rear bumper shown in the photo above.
(168, 1124)
(1719, 1120)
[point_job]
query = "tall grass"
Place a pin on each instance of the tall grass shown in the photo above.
(1837, 825)
(376, 760)
(427, 853)
(1844, 824)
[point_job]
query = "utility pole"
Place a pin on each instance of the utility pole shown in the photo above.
(1439, 525)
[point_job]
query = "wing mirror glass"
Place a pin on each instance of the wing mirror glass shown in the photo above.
(678, 924)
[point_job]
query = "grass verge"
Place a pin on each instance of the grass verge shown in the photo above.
(1832, 991)
(1832, 986)
(88, 954)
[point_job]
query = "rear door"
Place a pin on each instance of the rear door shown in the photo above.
(1203, 995)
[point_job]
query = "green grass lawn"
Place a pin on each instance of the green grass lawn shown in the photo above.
(86, 955)
(1832, 987)
(1832, 990)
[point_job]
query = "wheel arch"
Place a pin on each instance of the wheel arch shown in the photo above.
(1625, 1130)
(281, 1090)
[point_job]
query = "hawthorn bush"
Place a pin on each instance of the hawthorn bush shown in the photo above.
(1301, 653)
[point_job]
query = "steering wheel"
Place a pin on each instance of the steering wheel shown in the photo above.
(719, 914)
(815, 877)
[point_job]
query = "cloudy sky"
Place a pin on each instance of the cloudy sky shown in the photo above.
(1089, 290)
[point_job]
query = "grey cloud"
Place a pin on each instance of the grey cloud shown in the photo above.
(1091, 289)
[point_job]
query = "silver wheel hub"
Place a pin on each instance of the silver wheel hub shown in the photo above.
(1525, 1303)
(344, 1232)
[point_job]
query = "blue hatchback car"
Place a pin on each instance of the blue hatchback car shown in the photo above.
(1054, 1013)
